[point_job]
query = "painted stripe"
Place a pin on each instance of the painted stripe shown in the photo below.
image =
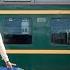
(34, 11)
(38, 51)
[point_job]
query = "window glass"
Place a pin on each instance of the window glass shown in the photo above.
(17, 30)
(60, 30)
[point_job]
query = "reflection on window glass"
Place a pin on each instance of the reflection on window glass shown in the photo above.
(17, 30)
(60, 38)
(25, 27)
(60, 31)
(69, 38)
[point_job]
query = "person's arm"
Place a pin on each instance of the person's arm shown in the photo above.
(3, 53)
(2, 50)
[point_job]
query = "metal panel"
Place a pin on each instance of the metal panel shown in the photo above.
(53, 1)
(17, 0)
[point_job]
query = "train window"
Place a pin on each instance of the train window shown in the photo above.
(17, 30)
(60, 31)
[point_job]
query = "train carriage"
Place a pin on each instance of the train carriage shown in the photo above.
(36, 33)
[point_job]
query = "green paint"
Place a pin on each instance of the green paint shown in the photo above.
(41, 36)
(40, 41)
(35, 7)
(41, 62)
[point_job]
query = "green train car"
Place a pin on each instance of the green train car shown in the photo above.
(37, 32)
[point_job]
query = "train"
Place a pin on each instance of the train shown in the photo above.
(36, 33)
